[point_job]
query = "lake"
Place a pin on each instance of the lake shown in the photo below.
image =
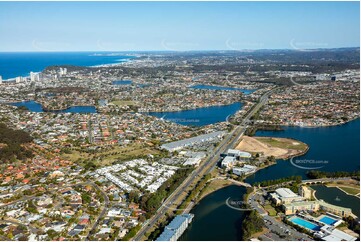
(214, 220)
(209, 87)
(200, 116)
(340, 145)
(122, 82)
(335, 196)
(37, 107)
(337, 146)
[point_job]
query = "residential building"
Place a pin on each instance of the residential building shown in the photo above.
(175, 229)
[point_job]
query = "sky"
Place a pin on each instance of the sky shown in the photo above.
(177, 26)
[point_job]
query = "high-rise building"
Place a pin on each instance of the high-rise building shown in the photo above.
(34, 76)
(1, 79)
(63, 71)
(18, 79)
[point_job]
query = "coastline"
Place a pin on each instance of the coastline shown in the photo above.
(118, 62)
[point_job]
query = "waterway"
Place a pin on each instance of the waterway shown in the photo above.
(335, 196)
(122, 82)
(200, 116)
(214, 220)
(37, 107)
(339, 145)
(336, 148)
(209, 87)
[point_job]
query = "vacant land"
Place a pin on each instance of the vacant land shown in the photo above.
(280, 148)
(122, 103)
(116, 153)
(271, 211)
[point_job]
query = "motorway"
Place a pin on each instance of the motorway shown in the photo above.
(207, 166)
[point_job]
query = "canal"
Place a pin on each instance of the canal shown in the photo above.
(214, 220)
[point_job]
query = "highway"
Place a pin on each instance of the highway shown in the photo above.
(207, 166)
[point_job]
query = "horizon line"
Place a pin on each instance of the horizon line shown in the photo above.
(175, 51)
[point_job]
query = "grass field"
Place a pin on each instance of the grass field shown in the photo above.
(350, 190)
(271, 211)
(348, 186)
(283, 143)
(115, 153)
(121, 103)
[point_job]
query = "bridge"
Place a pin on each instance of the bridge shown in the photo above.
(324, 180)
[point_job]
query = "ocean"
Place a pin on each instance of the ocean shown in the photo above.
(13, 64)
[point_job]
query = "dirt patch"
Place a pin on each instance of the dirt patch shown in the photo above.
(280, 148)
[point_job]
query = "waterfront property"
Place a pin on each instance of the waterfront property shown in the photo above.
(33, 106)
(335, 196)
(285, 196)
(245, 170)
(209, 87)
(175, 229)
(294, 207)
(241, 155)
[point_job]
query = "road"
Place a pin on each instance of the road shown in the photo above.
(207, 166)
(102, 213)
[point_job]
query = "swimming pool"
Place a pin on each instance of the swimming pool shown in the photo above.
(328, 220)
(304, 223)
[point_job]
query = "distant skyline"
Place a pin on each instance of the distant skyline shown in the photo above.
(177, 26)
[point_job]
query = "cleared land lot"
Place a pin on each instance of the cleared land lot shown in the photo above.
(280, 148)
(121, 103)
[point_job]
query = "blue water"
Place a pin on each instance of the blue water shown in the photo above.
(214, 220)
(22, 63)
(122, 82)
(209, 87)
(200, 116)
(335, 196)
(36, 107)
(328, 220)
(31, 105)
(306, 224)
(338, 147)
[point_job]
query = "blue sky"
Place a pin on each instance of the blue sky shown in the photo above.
(121, 26)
